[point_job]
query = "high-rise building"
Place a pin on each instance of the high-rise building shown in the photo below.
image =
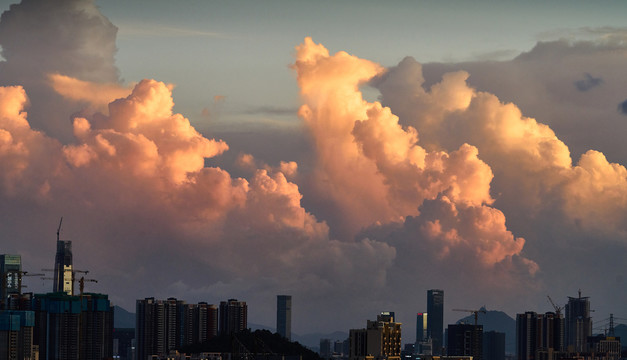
(284, 316)
(16, 335)
(578, 323)
(233, 316)
(73, 327)
(165, 325)
(421, 327)
(63, 272)
(539, 336)
(493, 345)
(10, 268)
(465, 340)
(435, 325)
(325, 348)
(380, 340)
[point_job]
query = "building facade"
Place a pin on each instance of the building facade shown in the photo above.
(465, 340)
(435, 324)
(233, 316)
(284, 316)
(63, 272)
(380, 340)
(16, 335)
(73, 327)
(165, 325)
(539, 336)
(493, 345)
(578, 323)
(10, 268)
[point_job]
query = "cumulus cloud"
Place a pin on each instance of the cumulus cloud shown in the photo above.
(67, 39)
(96, 94)
(556, 204)
(140, 170)
(454, 177)
(387, 174)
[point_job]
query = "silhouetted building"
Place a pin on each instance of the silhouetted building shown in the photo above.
(421, 327)
(325, 348)
(73, 327)
(10, 268)
(435, 324)
(465, 340)
(157, 327)
(16, 335)
(539, 336)
(284, 316)
(164, 325)
(380, 339)
(578, 323)
(493, 345)
(63, 272)
(233, 316)
(123, 340)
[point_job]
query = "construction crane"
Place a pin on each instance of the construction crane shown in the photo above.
(476, 312)
(21, 274)
(81, 281)
(81, 284)
(558, 309)
(59, 228)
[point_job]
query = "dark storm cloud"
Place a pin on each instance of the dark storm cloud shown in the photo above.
(67, 37)
(588, 82)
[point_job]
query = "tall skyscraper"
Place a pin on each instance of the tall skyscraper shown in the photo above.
(233, 316)
(465, 340)
(63, 272)
(421, 327)
(284, 316)
(435, 325)
(578, 323)
(10, 267)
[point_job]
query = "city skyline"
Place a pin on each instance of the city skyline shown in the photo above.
(353, 158)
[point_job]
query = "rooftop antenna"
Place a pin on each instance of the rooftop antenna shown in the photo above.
(59, 228)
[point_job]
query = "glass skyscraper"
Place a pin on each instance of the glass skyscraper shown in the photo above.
(435, 324)
(284, 316)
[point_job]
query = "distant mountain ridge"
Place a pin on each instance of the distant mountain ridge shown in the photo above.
(494, 320)
(123, 319)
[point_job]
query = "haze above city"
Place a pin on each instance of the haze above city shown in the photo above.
(351, 154)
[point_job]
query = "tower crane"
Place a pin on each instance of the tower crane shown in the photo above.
(81, 281)
(476, 312)
(20, 274)
(59, 228)
(81, 284)
(558, 309)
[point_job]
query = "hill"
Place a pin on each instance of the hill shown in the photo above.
(257, 342)
(123, 319)
(494, 320)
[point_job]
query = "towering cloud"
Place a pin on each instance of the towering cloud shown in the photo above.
(375, 171)
(70, 38)
(442, 183)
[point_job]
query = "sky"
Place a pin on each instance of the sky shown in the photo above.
(353, 154)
